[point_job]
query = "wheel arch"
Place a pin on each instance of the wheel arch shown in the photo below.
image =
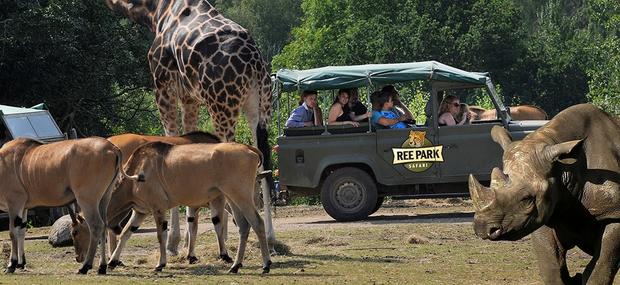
(329, 168)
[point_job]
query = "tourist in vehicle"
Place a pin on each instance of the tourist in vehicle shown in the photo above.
(399, 108)
(449, 109)
(358, 112)
(339, 112)
(464, 111)
(307, 114)
(382, 114)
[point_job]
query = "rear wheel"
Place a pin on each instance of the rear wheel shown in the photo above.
(349, 194)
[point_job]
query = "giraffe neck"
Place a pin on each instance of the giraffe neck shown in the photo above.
(149, 12)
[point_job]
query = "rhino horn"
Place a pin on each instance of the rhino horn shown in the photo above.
(551, 153)
(480, 195)
(501, 136)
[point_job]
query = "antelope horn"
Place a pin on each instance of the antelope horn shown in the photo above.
(72, 213)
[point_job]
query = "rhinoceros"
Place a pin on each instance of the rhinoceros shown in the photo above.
(561, 183)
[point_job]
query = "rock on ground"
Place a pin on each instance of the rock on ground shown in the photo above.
(60, 232)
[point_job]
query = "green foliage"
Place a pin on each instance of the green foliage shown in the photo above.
(268, 21)
(604, 45)
(306, 200)
(550, 53)
(358, 32)
(605, 78)
(89, 65)
(74, 56)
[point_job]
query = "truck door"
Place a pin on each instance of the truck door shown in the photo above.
(468, 149)
(405, 155)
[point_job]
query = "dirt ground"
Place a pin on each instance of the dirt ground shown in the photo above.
(405, 242)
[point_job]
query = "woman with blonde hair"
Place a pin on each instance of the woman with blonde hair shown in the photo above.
(449, 108)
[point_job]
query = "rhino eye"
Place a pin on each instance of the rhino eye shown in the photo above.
(528, 201)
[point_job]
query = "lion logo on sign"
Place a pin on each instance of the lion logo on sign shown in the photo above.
(416, 139)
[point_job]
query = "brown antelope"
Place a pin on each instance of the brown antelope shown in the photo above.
(128, 143)
(192, 175)
(56, 174)
(517, 113)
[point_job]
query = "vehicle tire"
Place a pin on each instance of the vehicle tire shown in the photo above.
(56, 213)
(42, 217)
(349, 194)
(378, 205)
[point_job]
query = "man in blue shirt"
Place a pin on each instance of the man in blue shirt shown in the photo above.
(307, 114)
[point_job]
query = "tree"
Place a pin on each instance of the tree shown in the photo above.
(549, 53)
(269, 21)
(480, 35)
(88, 66)
(604, 45)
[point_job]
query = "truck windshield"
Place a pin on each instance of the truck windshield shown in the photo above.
(37, 125)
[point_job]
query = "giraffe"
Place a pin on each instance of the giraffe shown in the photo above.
(200, 58)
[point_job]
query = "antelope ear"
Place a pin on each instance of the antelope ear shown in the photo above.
(481, 196)
(501, 136)
(262, 174)
(80, 218)
(567, 151)
(72, 215)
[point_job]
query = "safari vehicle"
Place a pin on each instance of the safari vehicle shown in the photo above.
(37, 123)
(355, 168)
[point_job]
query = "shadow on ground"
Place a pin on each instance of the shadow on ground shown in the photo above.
(420, 218)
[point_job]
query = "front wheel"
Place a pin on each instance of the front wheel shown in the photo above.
(349, 194)
(380, 201)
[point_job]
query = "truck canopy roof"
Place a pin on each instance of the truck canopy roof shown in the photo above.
(337, 77)
(10, 110)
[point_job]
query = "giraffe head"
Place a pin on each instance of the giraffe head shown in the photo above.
(139, 11)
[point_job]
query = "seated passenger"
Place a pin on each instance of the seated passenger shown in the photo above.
(307, 114)
(448, 110)
(399, 108)
(339, 111)
(382, 114)
(358, 112)
(464, 111)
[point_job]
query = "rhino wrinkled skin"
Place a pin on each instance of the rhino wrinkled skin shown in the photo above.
(561, 183)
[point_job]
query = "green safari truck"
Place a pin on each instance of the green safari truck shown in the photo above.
(354, 169)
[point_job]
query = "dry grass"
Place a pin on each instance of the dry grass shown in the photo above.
(417, 239)
(392, 253)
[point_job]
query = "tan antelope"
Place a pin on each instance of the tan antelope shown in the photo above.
(35, 174)
(192, 175)
(128, 143)
(517, 113)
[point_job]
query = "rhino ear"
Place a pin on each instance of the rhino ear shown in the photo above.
(480, 195)
(568, 150)
(501, 136)
(498, 178)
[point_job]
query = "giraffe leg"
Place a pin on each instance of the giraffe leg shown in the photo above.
(251, 110)
(167, 105)
(190, 109)
(225, 130)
